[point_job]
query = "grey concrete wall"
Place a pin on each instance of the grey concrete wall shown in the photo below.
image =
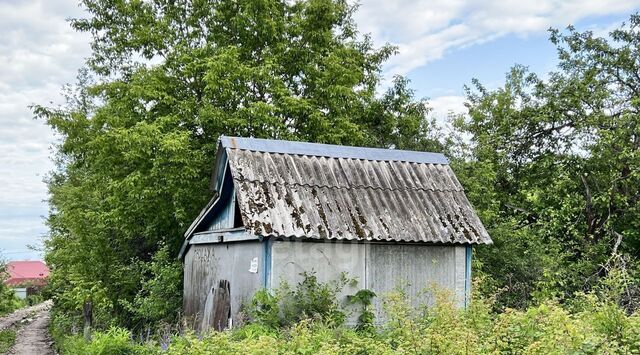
(378, 267)
(416, 269)
(327, 259)
(206, 264)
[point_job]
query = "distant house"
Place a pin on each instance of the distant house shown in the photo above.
(26, 277)
(385, 217)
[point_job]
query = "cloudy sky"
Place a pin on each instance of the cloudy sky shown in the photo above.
(442, 45)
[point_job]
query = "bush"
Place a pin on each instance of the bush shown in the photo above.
(309, 300)
(7, 339)
(160, 297)
(115, 341)
(8, 299)
(589, 324)
(442, 329)
(366, 319)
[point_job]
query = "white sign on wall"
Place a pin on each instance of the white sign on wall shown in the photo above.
(254, 266)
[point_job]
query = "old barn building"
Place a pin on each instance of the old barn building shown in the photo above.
(385, 217)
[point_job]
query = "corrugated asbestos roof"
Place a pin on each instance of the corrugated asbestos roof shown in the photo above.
(322, 191)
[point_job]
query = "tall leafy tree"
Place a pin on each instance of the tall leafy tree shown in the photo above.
(560, 160)
(164, 80)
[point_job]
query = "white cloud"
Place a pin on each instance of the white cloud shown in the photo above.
(443, 107)
(425, 30)
(39, 53)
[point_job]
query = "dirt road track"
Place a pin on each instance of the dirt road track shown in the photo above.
(32, 336)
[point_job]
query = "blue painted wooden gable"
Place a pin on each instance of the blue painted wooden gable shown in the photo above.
(219, 220)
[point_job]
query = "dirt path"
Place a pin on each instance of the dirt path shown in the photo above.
(32, 335)
(16, 317)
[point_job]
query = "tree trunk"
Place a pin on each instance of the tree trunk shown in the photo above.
(87, 312)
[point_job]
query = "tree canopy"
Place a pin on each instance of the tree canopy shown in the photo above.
(555, 166)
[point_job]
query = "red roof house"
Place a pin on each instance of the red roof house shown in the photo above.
(27, 272)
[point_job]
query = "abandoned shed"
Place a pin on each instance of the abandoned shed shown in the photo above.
(387, 218)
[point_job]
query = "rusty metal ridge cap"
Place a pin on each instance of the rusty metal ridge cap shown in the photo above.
(331, 150)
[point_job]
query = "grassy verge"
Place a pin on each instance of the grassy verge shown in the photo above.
(7, 339)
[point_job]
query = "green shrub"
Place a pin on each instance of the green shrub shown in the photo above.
(441, 329)
(366, 319)
(265, 309)
(224, 343)
(160, 297)
(589, 324)
(115, 341)
(310, 299)
(7, 339)
(61, 326)
(8, 300)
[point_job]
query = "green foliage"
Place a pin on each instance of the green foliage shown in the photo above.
(34, 299)
(310, 299)
(114, 341)
(61, 326)
(595, 327)
(553, 167)
(7, 339)
(265, 309)
(366, 318)
(313, 300)
(8, 299)
(160, 297)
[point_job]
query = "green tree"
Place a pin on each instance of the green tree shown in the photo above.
(164, 80)
(8, 299)
(555, 166)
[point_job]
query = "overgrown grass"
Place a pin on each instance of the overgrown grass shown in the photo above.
(308, 319)
(111, 342)
(7, 339)
(595, 327)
